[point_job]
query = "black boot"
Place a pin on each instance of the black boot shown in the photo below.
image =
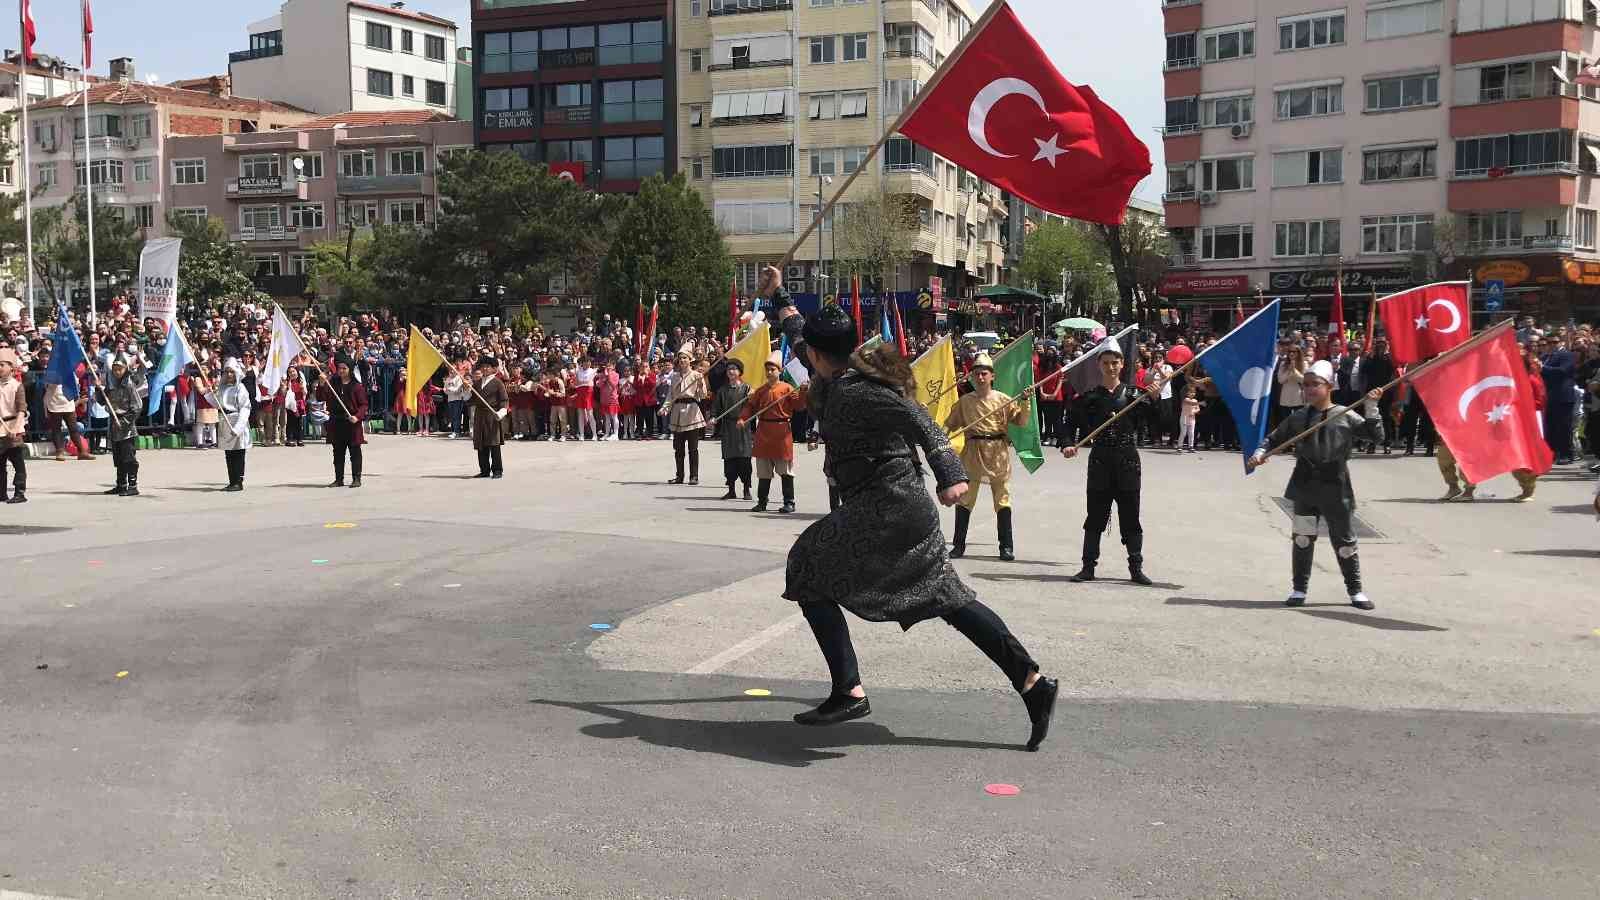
(18, 497)
(747, 490)
(133, 482)
(958, 546)
(731, 494)
(837, 708)
(1041, 702)
(1003, 518)
(1091, 555)
(1136, 562)
(763, 491)
(122, 484)
(1350, 568)
(788, 494)
(1301, 560)
(1084, 574)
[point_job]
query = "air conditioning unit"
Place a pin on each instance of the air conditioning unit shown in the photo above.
(795, 273)
(1240, 131)
(1208, 198)
(796, 287)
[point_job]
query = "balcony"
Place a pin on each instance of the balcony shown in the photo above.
(1543, 243)
(736, 7)
(1171, 3)
(1180, 196)
(268, 233)
(101, 145)
(238, 56)
(1183, 128)
(744, 62)
(1174, 65)
(908, 53)
(283, 285)
(1183, 261)
(379, 184)
(912, 179)
(266, 186)
(114, 187)
(1558, 167)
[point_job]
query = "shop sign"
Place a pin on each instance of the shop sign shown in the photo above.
(566, 59)
(509, 118)
(1580, 272)
(1512, 272)
(1197, 283)
(1320, 281)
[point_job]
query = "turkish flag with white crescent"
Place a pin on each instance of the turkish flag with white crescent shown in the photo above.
(1427, 321)
(1482, 406)
(1029, 131)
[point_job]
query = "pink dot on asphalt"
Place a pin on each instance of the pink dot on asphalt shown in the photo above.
(1002, 790)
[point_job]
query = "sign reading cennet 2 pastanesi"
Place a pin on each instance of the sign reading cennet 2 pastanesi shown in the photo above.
(158, 279)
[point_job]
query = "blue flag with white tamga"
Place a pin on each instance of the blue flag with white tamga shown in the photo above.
(66, 353)
(174, 359)
(1242, 365)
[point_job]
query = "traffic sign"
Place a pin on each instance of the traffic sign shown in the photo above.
(1495, 295)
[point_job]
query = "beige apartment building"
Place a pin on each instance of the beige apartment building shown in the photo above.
(775, 97)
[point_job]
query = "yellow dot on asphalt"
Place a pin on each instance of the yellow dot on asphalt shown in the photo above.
(1597, 632)
(340, 525)
(123, 674)
(758, 692)
(1079, 633)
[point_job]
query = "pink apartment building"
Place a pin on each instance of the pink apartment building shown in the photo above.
(283, 191)
(1386, 143)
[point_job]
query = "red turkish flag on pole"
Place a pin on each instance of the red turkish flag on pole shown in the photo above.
(855, 304)
(1336, 316)
(1426, 321)
(88, 40)
(29, 35)
(1028, 130)
(733, 310)
(1482, 406)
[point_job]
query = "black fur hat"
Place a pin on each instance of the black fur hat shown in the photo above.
(831, 331)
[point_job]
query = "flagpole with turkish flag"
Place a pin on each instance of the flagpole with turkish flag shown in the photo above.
(88, 166)
(1336, 314)
(733, 310)
(900, 330)
(638, 328)
(29, 35)
(655, 313)
(1426, 320)
(1508, 437)
(855, 305)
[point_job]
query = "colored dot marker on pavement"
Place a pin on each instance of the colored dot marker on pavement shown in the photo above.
(456, 585)
(1597, 632)
(319, 562)
(69, 606)
(758, 692)
(123, 674)
(600, 626)
(1002, 790)
(97, 562)
(340, 525)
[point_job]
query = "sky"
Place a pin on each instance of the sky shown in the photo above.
(1119, 57)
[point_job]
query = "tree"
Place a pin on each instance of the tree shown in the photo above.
(1055, 247)
(1449, 244)
(1137, 250)
(61, 246)
(876, 236)
(400, 267)
(211, 267)
(668, 242)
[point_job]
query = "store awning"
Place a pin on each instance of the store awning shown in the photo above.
(1004, 293)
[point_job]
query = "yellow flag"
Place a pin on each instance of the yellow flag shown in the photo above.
(422, 360)
(753, 351)
(935, 372)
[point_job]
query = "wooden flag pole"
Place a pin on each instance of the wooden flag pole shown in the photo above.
(1144, 394)
(1336, 411)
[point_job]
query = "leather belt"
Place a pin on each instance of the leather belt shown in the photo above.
(775, 421)
(986, 437)
(686, 400)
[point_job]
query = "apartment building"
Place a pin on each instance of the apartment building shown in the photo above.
(329, 56)
(281, 192)
(48, 77)
(778, 97)
(129, 125)
(584, 85)
(1386, 142)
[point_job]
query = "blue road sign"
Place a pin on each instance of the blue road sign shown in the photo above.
(1495, 295)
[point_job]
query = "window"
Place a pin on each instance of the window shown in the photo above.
(1586, 229)
(758, 50)
(260, 166)
(836, 160)
(408, 212)
(632, 101)
(696, 60)
(433, 47)
(1315, 237)
(1512, 81)
(259, 217)
(189, 215)
(852, 158)
(1183, 114)
(99, 126)
(380, 83)
(1397, 19)
(506, 100)
(853, 104)
(747, 162)
(751, 105)
(633, 157)
(823, 106)
(358, 163)
(1233, 174)
(144, 215)
(565, 96)
(139, 126)
(301, 263)
(1227, 242)
(435, 94)
(1306, 167)
(697, 115)
(897, 92)
(1492, 229)
(1322, 100)
(1403, 92)
(380, 37)
(1540, 150)
(1397, 234)
(406, 162)
(266, 264)
(45, 176)
(622, 43)
(855, 46)
(698, 167)
(305, 215)
(358, 213)
(1231, 44)
(569, 151)
(143, 170)
(907, 39)
(770, 217)
(405, 41)
(1227, 110)
(44, 134)
(902, 154)
(104, 171)
(1182, 50)
(311, 164)
(822, 49)
(1305, 32)
(1397, 164)
(696, 9)
(408, 86)
(511, 51)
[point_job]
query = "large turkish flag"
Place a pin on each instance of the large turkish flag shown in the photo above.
(1482, 406)
(1029, 131)
(1428, 320)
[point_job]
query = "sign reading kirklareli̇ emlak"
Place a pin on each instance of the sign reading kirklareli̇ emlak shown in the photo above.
(158, 279)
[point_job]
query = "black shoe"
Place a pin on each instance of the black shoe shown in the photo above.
(678, 480)
(786, 508)
(337, 482)
(1137, 576)
(759, 507)
(498, 475)
(1006, 555)
(234, 488)
(355, 482)
(481, 475)
(1041, 702)
(695, 480)
(117, 491)
(730, 495)
(747, 493)
(18, 497)
(958, 550)
(132, 491)
(1084, 574)
(836, 709)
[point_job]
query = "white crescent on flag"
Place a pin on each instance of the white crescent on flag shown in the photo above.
(1487, 384)
(1455, 316)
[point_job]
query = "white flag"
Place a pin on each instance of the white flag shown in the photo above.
(286, 345)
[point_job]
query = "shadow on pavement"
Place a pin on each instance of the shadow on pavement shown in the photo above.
(1339, 612)
(1116, 582)
(778, 742)
(1582, 509)
(1566, 554)
(642, 483)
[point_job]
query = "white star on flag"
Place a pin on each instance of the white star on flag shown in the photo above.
(1499, 413)
(1422, 322)
(1049, 150)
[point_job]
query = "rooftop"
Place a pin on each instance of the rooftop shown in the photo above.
(130, 92)
(402, 13)
(386, 117)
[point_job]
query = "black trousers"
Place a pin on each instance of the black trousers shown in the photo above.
(1094, 524)
(978, 623)
(690, 441)
(339, 450)
(19, 478)
(738, 469)
(292, 428)
(1341, 531)
(235, 459)
(125, 456)
(1558, 428)
(1416, 426)
(489, 462)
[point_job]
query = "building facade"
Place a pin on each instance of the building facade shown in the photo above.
(281, 192)
(1384, 142)
(587, 84)
(48, 77)
(778, 98)
(328, 56)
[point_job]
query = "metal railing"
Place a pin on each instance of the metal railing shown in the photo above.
(1559, 167)
(732, 8)
(1185, 128)
(1179, 196)
(255, 53)
(1188, 62)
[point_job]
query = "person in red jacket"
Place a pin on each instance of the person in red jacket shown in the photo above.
(347, 413)
(291, 399)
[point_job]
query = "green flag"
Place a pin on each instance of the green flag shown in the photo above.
(1013, 373)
